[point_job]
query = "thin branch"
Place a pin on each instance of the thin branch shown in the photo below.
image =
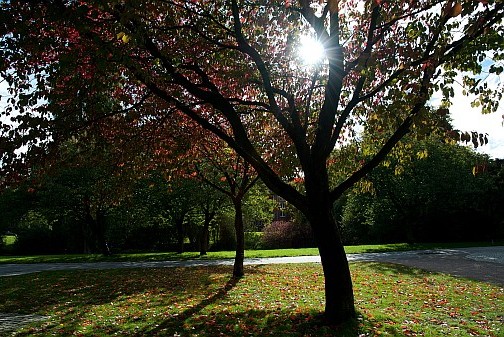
(400, 132)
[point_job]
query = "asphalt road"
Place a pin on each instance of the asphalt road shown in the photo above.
(480, 263)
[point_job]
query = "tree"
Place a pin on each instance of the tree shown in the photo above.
(224, 165)
(437, 197)
(231, 67)
(210, 203)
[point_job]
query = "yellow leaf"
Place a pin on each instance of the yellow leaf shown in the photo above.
(422, 154)
(124, 37)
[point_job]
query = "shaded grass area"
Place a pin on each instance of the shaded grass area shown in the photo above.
(273, 300)
(229, 254)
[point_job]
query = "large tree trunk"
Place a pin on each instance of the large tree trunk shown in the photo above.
(240, 239)
(339, 297)
(339, 306)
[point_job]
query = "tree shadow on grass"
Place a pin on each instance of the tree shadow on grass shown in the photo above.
(77, 289)
(177, 321)
(78, 294)
(252, 322)
(389, 268)
(199, 321)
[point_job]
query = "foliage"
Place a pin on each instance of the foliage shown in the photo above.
(258, 207)
(279, 300)
(253, 240)
(226, 232)
(287, 234)
(7, 244)
(14, 204)
(35, 234)
(438, 196)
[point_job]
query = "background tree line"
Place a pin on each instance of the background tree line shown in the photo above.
(447, 193)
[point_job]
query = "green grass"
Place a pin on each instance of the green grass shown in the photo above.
(273, 300)
(226, 254)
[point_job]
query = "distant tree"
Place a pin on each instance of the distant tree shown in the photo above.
(228, 173)
(437, 196)
(210, 203)
(495, 199)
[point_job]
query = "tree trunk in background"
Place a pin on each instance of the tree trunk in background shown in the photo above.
(96, 227)
(99, 229)
(179, 224)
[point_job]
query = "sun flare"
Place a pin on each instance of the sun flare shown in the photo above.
(311, 51)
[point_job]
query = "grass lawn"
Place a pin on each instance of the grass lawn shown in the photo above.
(227, 254)
(273, 300)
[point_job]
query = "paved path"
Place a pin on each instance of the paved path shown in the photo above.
(481, 263)
(12, 322)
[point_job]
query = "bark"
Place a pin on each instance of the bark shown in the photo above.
(339, 306)
(203, 240)
(100, 233)
(97, 228)
(240, 239)
(86, 247)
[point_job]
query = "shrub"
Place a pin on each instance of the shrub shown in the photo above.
(253, 240)
(287, 234)
(35, 235)
(227, 236)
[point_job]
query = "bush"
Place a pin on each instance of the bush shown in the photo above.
(227, 235)
(35, 235)
(287, 234)
(253, 240)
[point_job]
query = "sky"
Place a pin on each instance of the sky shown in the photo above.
(469, 119)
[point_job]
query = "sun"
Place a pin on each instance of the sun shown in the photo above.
(311, 51)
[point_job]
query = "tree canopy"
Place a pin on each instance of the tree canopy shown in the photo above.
(231, 67)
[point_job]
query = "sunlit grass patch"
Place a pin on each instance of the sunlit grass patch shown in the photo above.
(172, 256)
(275, 300)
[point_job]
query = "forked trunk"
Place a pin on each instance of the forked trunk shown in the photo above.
(240, 239)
